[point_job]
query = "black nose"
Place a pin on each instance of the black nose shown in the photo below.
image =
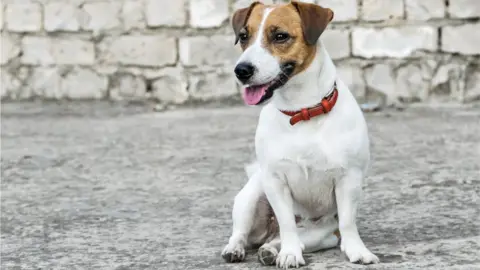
(244, 71)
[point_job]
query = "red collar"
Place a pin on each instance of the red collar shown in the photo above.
(324, 107)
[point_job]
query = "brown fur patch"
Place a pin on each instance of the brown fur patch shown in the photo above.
(240, 18)
(265, 226)
(283, 19)
(253, 24)
(337, 233)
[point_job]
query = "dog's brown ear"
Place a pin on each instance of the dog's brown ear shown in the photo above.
(240, 18)
(314, 20)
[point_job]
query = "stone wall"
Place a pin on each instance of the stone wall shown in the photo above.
(176, 51)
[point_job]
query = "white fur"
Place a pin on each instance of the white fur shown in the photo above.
(313, 169)
(258, 56)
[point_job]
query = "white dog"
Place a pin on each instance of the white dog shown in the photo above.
(311, 142)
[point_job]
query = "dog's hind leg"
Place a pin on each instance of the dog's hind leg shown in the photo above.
(243, 215)
(318, 237)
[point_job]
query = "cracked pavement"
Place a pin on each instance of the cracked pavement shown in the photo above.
(102, 186)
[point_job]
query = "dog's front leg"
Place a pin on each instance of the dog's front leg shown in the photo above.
(280, 198)
(348, 191)
(243, 215)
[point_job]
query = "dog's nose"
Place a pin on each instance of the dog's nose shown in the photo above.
(244, 71)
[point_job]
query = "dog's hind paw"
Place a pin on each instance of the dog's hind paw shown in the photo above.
(233, 253)
(267, 255)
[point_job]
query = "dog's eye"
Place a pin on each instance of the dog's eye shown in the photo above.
(281, 37)
(243, 37)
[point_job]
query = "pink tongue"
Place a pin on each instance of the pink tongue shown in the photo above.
(252, 95)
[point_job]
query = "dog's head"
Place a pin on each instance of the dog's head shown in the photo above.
(278, 42)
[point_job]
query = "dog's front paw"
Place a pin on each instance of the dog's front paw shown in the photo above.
(358, 253)
(290, 257)
(233, 253)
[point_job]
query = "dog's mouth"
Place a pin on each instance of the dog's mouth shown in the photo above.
(258, 94)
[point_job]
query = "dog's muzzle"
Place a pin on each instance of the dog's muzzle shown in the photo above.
(257, 94)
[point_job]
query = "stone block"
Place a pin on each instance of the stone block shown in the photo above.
(23, 17)
(3, 84)
(141, 50)
(208, 13)
(133, 14)
(170, 86)
(352, 76)
(380, 10)
(344, 10)
(463, 39)
(410, 83)
(127, 86)
(82, 83)
(9, 48)
(202, 50)
(61, 16)
(45, 82)
(380, 79)
(47, 51)
(448, 82)
(472, 85)
(337, 43)
(13, 82)
(172, 14)
(425, 9)
(10, 85)
(212, 85)
(101, 16)
(238, 4)
(396, 42)
(2, 8)
(73, 52)
(37, 51)
(464, 8)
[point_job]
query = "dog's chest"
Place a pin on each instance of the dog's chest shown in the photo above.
(309, 172)
(306, 147)
(314, 194)
(310, 166)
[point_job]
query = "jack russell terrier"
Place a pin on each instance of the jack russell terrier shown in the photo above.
(311, 142)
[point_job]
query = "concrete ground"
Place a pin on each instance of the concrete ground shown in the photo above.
(94, 186)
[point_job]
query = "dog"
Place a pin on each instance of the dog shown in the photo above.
(311, 142)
